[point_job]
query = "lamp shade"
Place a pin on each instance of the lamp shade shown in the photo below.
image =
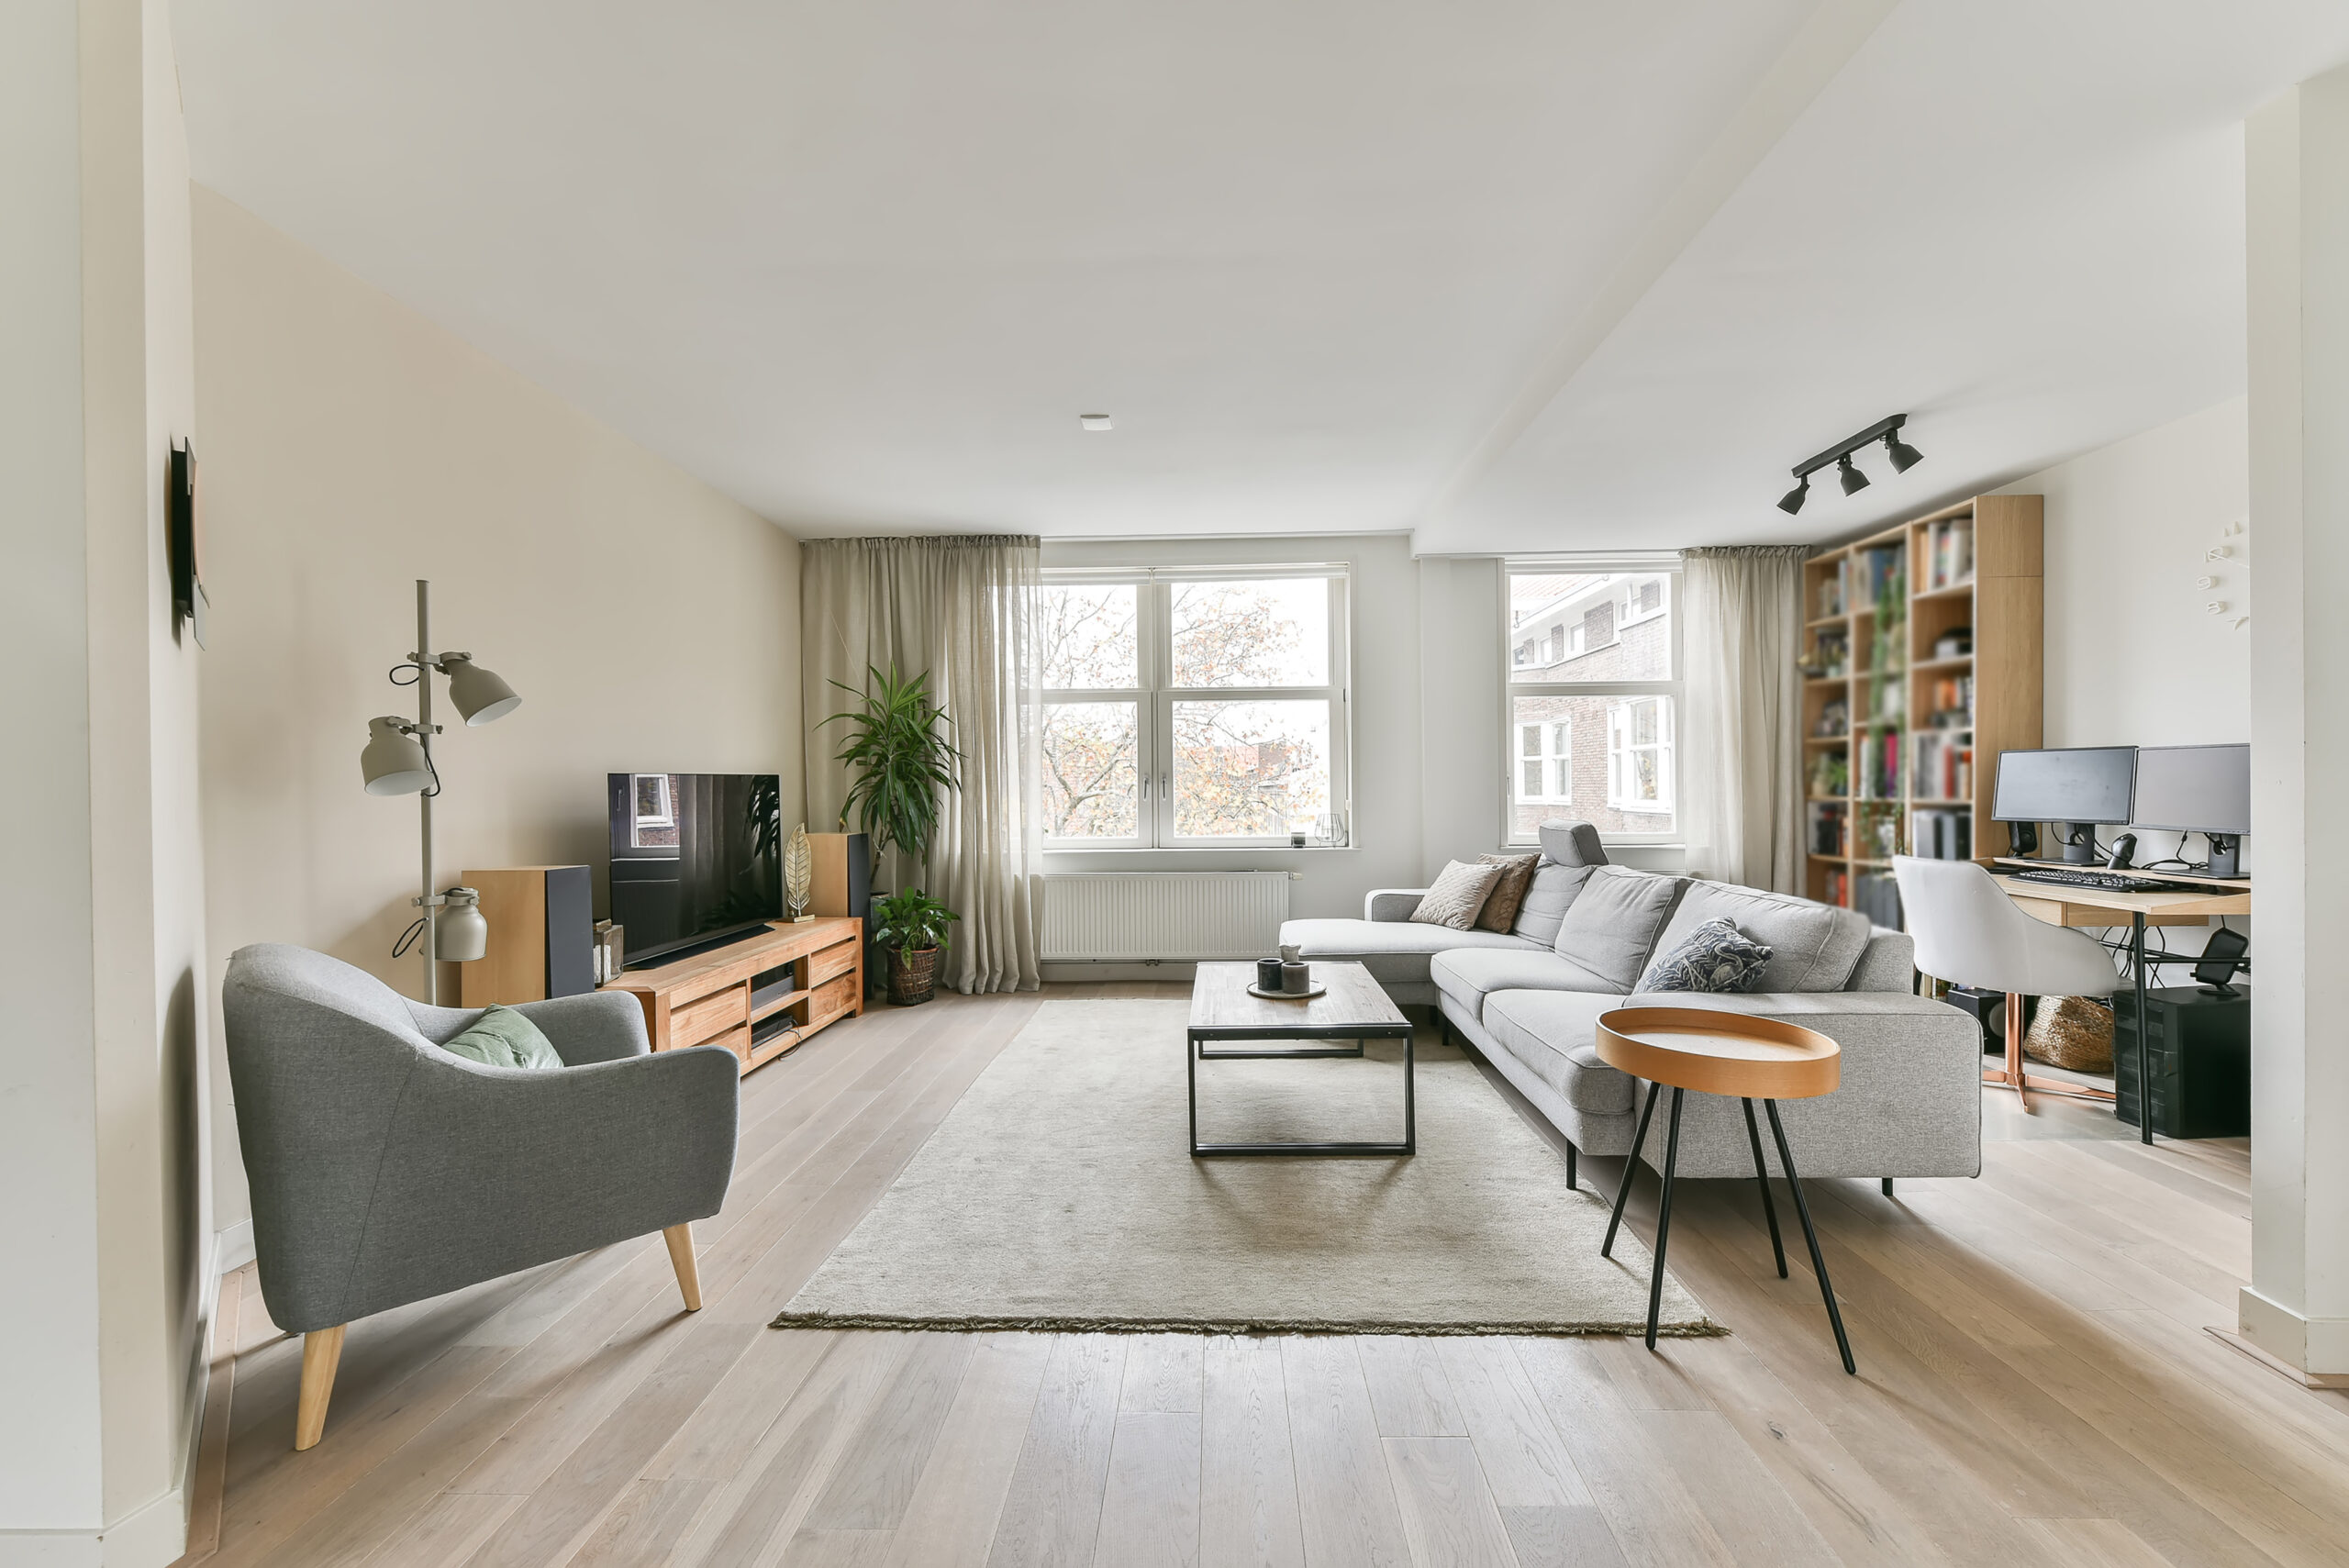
(480, 695)
(393, 763)
(460, 935)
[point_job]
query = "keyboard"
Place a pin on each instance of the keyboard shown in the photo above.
(2107, 881)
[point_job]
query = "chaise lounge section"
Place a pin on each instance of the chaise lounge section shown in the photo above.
(1529, 999)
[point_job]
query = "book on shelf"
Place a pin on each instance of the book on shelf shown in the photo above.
(1830, 829)
(1877, 896)
(1835, 591)
(1949, 554)
(1951, 703)
(1943, 835)
(1943, 767)
(1834, 887)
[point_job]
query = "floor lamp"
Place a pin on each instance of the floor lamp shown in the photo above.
(398, 761)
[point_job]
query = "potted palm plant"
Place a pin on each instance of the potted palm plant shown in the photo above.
(912, 929)
(900, 768)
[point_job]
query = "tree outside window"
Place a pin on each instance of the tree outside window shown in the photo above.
(1193, 707)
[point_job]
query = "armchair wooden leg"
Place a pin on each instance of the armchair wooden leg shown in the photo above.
(681, 1257)
(321, 1354)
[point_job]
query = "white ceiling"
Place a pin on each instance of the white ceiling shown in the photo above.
(1517, 273)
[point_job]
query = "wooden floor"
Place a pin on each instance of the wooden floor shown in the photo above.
(2035, 1385)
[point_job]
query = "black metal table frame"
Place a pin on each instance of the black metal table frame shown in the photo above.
(1769, 1209)
(1195, 1051)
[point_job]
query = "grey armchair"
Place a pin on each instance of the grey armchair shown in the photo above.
(385, 1171)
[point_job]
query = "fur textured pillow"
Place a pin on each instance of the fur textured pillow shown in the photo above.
(1459, 891)
(1715, 957)
(1500, 905)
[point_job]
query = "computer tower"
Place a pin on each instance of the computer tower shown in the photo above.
(2199, 1059)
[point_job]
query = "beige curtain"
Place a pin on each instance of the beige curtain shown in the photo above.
(1740, 734)
(956, 606)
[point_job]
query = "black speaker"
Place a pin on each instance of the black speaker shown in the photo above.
(2022, 839)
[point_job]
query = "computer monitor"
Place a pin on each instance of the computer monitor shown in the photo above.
(2078, 787)
(2198, 789)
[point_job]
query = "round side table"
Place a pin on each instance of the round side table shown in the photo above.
(1721, 1053)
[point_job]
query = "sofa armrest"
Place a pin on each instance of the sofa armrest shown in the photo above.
(1391, 903)
(1909, 1103)
(1888, 963)
(597, 1025)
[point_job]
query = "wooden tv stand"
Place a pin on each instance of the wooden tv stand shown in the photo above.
(735, 997)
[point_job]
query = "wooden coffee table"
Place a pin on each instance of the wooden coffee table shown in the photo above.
(1353, 1008)
(1721, 1053)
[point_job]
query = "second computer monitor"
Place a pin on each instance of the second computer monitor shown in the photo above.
(2079, 788)
(2198, 789)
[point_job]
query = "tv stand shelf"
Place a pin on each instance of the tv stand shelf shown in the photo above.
(707, 999)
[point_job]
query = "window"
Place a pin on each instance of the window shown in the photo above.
(1195, 707)
(1593, 657)
(1545, 762)
(1639, 755)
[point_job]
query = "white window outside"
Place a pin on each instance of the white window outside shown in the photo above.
(1592, 653)
(1194, 708)
(1639, 755)
(1545, 762)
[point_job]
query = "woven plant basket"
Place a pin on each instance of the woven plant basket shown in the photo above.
(2070, 1032)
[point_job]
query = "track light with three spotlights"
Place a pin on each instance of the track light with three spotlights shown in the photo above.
(1904, 457)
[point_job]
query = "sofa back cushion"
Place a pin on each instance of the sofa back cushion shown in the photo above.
(1612, 926)
(1547, 898)
(1814, 946)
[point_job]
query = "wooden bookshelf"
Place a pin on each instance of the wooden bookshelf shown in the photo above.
(1904, 722)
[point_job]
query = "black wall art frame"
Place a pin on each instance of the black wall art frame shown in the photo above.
(185, 523)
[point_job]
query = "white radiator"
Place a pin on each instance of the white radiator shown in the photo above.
(1175, 915)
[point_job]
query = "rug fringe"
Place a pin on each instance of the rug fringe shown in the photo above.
(1705, 1328)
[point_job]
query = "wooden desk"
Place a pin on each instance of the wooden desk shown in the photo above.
(2099, 907)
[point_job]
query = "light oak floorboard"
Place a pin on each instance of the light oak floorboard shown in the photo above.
(1150, 1510)
(2035, 1385)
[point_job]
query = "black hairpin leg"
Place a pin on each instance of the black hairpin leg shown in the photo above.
(1631, 1164)
(1818, 1262)
(1570, 1167)
(1761, 1179)
(1888, 1186)
(1663, 1217)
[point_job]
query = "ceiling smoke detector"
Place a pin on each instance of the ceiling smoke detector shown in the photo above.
(1094, 421)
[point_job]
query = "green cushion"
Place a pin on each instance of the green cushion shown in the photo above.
(504, 1037)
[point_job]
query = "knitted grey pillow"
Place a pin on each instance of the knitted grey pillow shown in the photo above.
(1715, 957)
(1459, 891)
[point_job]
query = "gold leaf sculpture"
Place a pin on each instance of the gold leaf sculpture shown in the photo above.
(798, 872)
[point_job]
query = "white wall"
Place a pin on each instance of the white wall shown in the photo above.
(101, 1139)
(2132, 657)
(351, 447)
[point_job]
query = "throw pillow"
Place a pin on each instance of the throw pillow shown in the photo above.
(504, 1037)
(1715, 957)
(1459, 891)
(1500, 905)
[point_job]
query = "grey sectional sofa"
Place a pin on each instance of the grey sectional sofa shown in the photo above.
(1529, 999)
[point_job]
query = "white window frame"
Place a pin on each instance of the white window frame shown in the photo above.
(1665, 565)
(1155, 698)
(1556, 766)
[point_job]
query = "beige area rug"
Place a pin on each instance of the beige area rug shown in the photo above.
(1060, 1193)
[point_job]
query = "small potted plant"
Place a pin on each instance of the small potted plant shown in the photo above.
(913, 929)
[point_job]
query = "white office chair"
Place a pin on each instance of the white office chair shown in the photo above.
(1969, 932)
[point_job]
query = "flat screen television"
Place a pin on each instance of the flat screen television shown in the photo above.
(696, 859)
